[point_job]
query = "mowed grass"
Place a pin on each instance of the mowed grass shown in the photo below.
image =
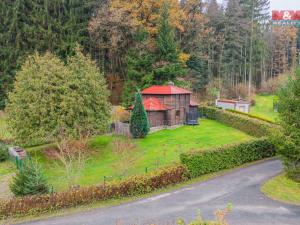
(156, 150)
(264, 107)
(283, 189)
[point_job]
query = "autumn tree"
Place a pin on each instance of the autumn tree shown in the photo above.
(147, 12)
(284, 51)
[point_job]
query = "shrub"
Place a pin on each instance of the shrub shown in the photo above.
(251, 126)
(240, 90)
(212, 160)
(288, 141)
(3, 152)
(220, 218)
(29, 180)
(50, 98)
(132, 186)
(272, 85)
(120, 114)
(251, 116)
(294, 174)
(139, 124)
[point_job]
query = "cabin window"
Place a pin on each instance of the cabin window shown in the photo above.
(177, 114)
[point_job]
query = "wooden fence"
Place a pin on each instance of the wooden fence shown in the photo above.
(122, 129)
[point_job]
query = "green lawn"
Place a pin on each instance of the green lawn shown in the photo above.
(156, 150)
(264, 107)
(283, 189)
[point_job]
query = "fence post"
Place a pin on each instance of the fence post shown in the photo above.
(104, 179)
(17, 165)
(146, 169)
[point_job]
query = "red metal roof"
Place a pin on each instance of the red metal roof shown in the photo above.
(227, 101)
(165, 90)
(153, 104)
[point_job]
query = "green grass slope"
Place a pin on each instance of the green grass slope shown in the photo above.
(116, 157)
(264, 107)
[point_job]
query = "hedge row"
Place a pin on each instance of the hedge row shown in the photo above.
(251, 116)
(129, 187)
(251, 126)
(225, 157)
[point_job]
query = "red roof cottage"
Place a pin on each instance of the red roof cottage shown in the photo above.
(169, 105)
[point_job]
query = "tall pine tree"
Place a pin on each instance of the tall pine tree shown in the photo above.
(139, 67)
(167, 66)
(29, 25)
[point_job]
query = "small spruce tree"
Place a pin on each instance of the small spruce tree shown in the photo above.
(3, 152)
(139, 125)
(29, 180)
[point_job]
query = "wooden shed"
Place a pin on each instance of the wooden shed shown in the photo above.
(168, 105)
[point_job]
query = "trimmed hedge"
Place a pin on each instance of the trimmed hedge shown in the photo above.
(225, 157)
(251, 116)
(251, 126)
(129, 187)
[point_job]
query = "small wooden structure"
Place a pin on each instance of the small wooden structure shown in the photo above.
(17, 152)
(121, 128)
(238, 105)
(169, 105)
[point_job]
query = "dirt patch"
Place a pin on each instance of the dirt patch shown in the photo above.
(51, 153)
(4, 186)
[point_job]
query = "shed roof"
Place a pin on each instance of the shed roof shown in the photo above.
(192, 103)
(240, 101)
(165, 90)
(152, 104)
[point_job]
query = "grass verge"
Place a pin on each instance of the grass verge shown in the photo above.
(283, 189)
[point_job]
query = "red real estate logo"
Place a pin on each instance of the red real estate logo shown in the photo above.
(286, 15)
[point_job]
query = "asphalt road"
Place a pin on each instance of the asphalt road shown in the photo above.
(241, 188)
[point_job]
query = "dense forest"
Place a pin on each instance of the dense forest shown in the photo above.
(196, 44)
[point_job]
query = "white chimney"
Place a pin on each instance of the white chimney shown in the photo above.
(170, 83)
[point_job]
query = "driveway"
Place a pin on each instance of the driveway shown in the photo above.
(241, 188)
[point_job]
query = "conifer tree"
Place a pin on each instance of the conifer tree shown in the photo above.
(139, 67)
(51, 98)
(29, 180)
(288, 142)
(139, 125)
(167, 66)
(27, 26)
(3, 152)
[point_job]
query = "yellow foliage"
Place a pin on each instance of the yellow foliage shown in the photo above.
(183, 57)
(119, 113)
(147, 12)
